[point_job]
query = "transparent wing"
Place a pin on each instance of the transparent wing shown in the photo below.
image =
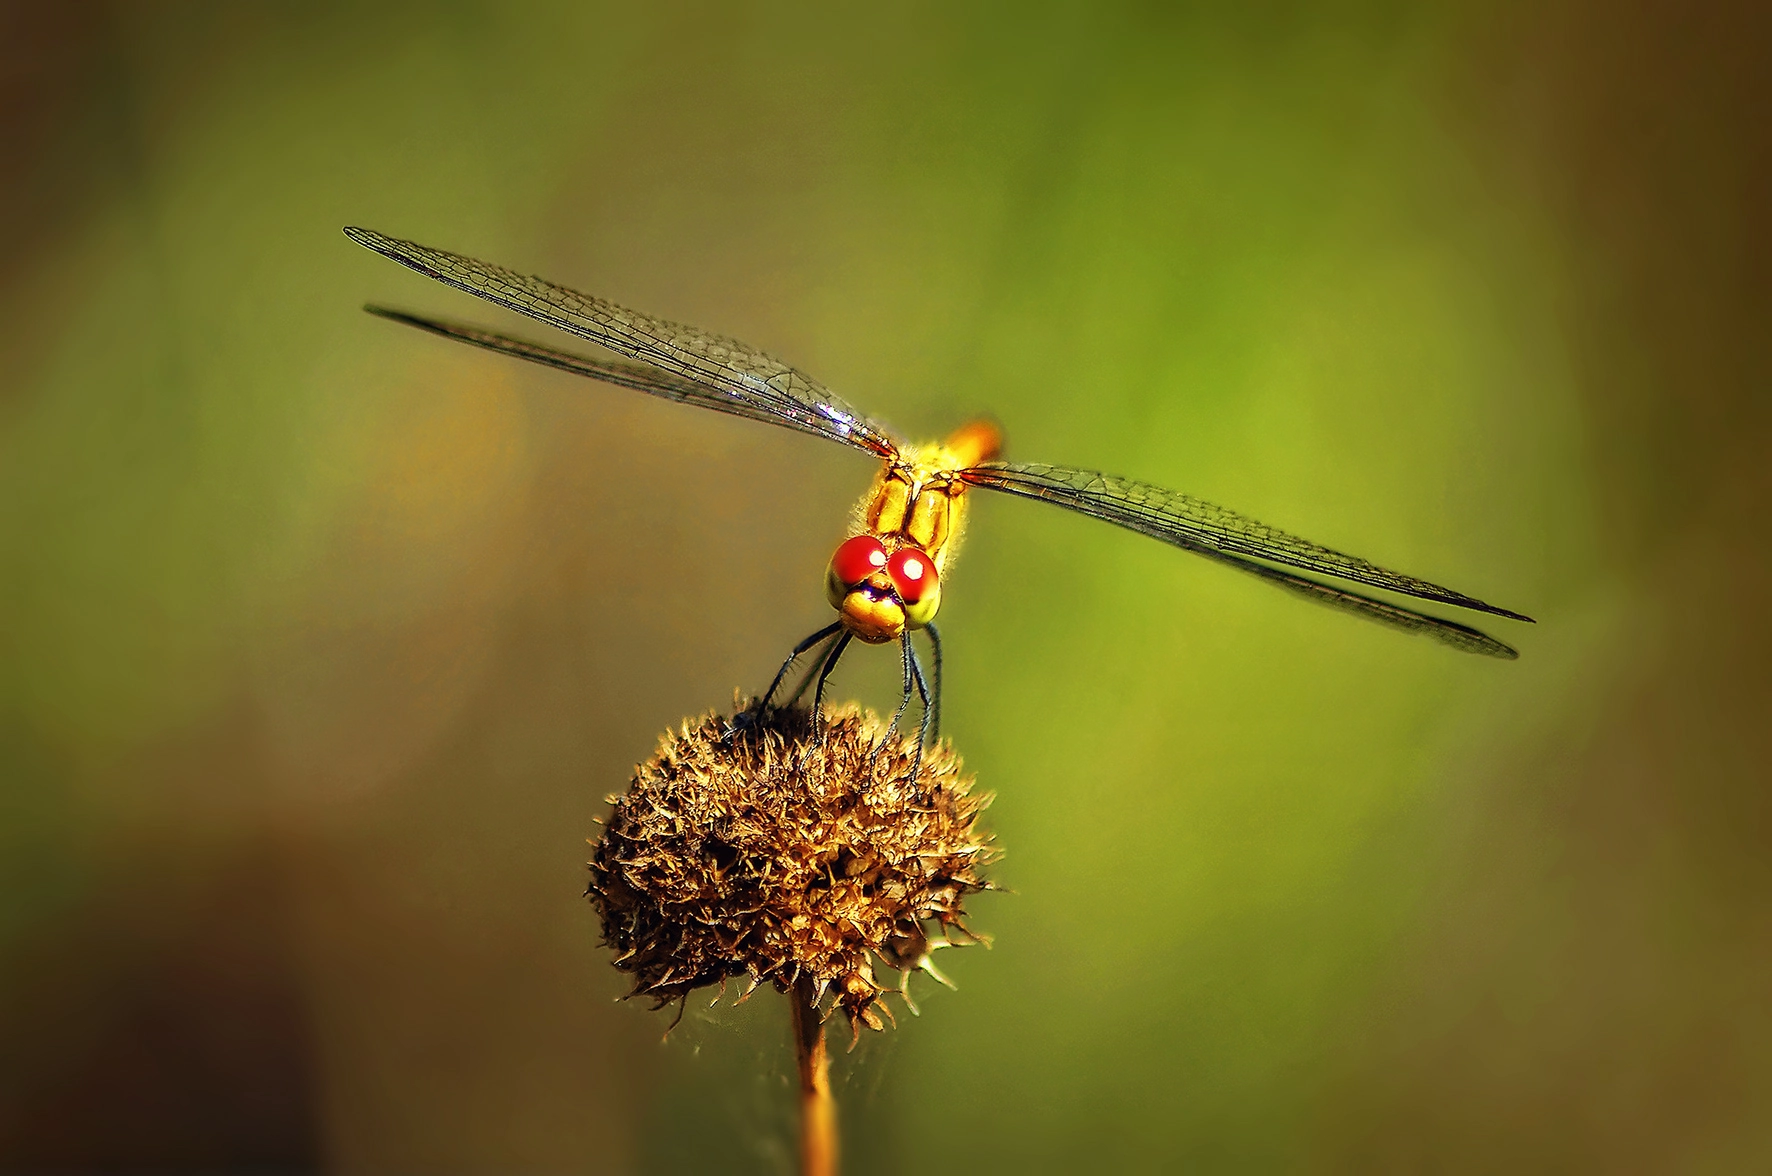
(628, 375)
(756, 385)
(1201, 527)
(1395, 616)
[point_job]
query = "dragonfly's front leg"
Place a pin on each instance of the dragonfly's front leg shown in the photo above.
(830, 663)
(906, 657)
(757, 710)
(821, 635)
(824, 672)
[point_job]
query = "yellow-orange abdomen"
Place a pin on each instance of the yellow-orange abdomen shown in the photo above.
(974, 442)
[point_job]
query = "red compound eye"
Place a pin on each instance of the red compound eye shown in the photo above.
(857, 559)
(913, 574)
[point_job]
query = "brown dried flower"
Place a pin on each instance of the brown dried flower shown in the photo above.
(770, 855)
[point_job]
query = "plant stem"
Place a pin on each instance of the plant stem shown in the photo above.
(818, 1112)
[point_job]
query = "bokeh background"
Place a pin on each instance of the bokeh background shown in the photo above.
(323, 640)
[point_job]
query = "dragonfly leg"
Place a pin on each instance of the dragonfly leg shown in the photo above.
(806, 680)
(904, 701)
(935, 644)
(923, 693)
(793, 700)
(759, 708)
(830, 663)
(821, 635)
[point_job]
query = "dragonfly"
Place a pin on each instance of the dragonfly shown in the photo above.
(885, 579)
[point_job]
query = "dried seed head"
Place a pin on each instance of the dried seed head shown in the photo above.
(769, 855)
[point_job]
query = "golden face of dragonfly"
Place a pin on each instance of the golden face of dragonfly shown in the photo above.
(886, 577)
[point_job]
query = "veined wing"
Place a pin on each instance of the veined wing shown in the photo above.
(1394, 615)
(637, 376)
(1201, 527)
(758, 386)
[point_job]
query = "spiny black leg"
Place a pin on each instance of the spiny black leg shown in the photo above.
(923, 693)
(793, 700)
(935, 643)
(824, 671)
(799, 649)
(904, 700)
(806, 679)
(756, 711)
(830, 663)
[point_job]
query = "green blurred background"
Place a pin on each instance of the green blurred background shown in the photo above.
(323, 640)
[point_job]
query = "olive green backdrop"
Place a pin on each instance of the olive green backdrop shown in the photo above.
(322, 640)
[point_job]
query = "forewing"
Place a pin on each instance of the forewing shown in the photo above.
(628, 375)
(1201, 527)
(724, 367)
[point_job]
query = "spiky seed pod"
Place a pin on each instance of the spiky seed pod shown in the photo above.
(767, 854)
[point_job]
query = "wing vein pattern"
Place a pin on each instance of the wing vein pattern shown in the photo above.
(1200, 526)
(690, 366)
(1393, 616)
(728, 369)
(639, 377)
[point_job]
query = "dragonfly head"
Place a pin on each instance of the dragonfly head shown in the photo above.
(879, 594)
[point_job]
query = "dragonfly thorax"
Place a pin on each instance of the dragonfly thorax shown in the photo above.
(915, 504)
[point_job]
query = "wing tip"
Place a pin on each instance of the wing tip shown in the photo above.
(399, 316)
(415, 320)
(1471, 640)
(1498, 611)
(389, 247)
